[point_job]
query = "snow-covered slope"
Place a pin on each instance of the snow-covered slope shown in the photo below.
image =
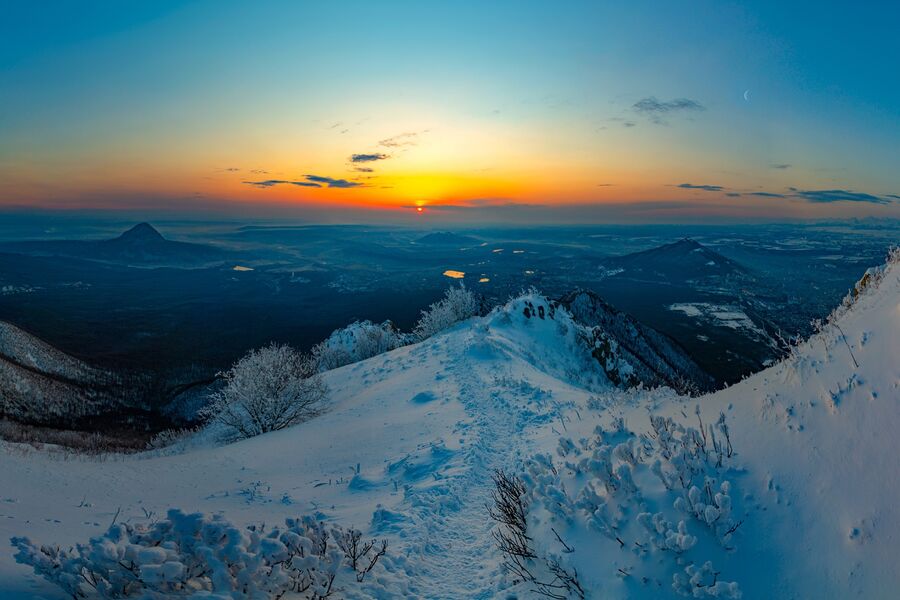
(41, 384)
(409, 446)
(801, 504)
(655, 359)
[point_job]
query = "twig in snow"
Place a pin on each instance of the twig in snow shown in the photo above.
(844, 337)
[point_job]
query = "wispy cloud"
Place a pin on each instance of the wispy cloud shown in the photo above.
(364, 158)
(267, 183)
(310, 181)
(657, 110)
(824, 196)
(364, 169)
(705, 188)
(781, 166)
(408, 138)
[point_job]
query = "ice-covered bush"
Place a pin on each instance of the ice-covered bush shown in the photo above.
(269, 389)
(457, 305)
(358, 341)
(703, 582)
(650, 507)
(193, 554)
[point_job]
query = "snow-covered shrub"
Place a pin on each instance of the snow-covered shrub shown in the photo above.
(666, 536)
(458, 304)
(703, 582)
(193, 554)
(355, 342)
(170, 437)
(269, 389)
(604, 492)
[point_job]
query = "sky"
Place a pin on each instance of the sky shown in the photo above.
(473, 112)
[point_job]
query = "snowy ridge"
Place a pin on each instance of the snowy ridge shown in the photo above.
(802, 506)
(655, 359)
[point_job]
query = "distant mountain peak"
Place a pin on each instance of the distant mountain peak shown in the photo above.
(142, 232)
(685, 244)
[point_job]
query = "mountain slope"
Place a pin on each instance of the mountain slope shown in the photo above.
(781, 486)
(655, 359)
(413, 436)
(39, 384)
(141, 245)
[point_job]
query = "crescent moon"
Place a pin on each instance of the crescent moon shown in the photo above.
(746, 95)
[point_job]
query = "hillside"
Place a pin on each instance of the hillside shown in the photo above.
(140, 245)
(654, 359)
(407, 452)
(40, 384)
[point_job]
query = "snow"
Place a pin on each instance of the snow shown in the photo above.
(718, 314)
(407, 449)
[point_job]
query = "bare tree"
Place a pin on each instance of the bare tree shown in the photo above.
(271, 388)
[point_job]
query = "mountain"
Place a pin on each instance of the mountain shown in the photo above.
(141, 245)
(719, 311)
(781, 486)
(39, 384)
(683, 260)
(447, 238)
(654, 358)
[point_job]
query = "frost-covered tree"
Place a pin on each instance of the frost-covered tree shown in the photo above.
(269, 389)
(457, 305)
(355, 342)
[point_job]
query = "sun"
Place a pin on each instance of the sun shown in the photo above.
(420, 209)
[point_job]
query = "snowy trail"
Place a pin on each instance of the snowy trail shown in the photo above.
(452, 555)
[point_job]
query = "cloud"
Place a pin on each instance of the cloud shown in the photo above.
(629, 124)
(733, 195)
(605, 184)
(364, 169)
(311, 181)
(363, 158)
(332, 182)
(766, 194)
(409, 138)
(824, 196)
(893, 196)
(706, 188)
(267, 183)
(655, 109)
(781, 166)
(232, 169)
